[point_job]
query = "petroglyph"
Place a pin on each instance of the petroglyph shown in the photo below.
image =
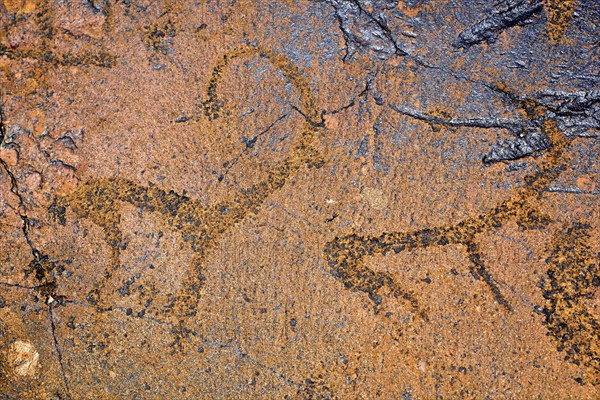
(346, 254)
(100, 199)
(572, 275)
(42, 15)
(167, 234)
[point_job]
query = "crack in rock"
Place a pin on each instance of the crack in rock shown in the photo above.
(576, 114)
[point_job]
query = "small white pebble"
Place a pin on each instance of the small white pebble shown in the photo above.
(23, 357)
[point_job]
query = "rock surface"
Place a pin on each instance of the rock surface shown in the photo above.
(322, 199)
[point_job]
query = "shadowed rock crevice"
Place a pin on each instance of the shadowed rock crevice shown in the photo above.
(575, 113)
(506, 14)
(509, 13)
(365, 24)
(40, 265)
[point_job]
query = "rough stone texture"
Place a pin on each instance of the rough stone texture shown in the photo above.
(299, 199)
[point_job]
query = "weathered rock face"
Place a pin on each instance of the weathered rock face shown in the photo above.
(299, 199)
